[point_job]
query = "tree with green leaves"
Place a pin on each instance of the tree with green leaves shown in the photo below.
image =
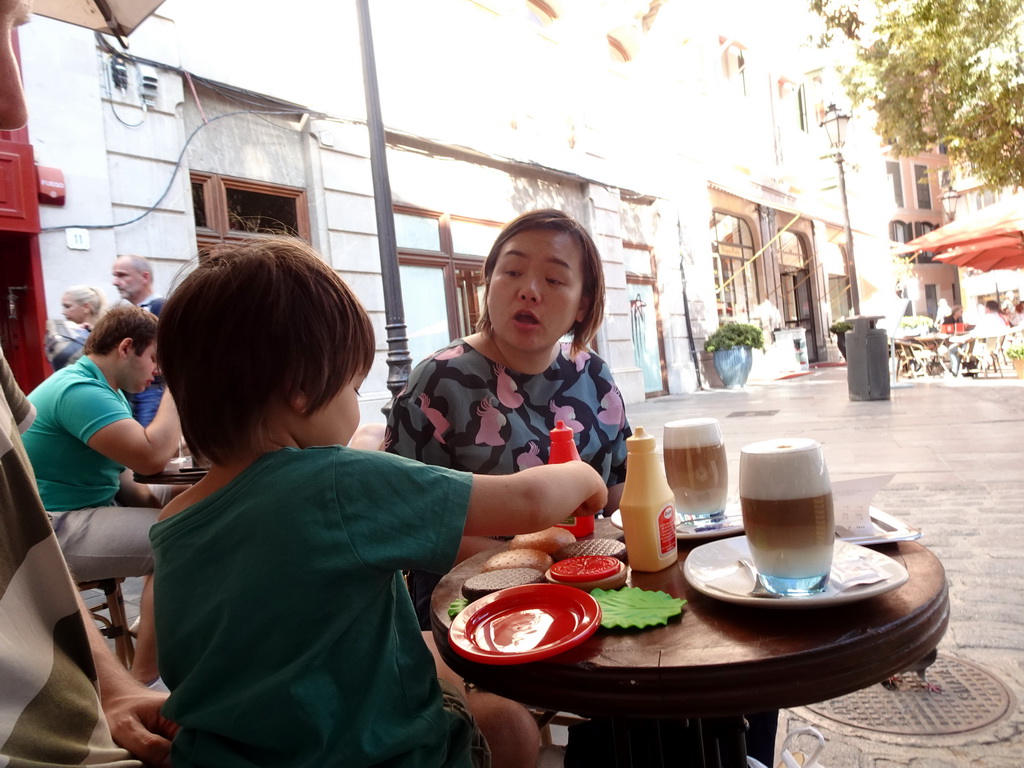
(940, 71)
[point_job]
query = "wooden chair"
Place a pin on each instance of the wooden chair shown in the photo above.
(113, 625)
(546, 718)
(991, 354)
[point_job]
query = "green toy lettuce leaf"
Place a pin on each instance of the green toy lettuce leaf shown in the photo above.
(633, 608)
(456, 606)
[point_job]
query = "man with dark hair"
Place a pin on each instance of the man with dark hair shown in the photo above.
(64, 698)
(82, 441)
(133, 278)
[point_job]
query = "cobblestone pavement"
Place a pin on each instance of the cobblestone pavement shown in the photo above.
(956, 448)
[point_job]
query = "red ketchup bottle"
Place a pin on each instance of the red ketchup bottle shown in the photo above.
(563, 449)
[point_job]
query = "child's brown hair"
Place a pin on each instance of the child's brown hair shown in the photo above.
(257, 323)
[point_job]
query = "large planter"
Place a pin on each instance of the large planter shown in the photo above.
(708, 372)
(733, 365)
(841, 343)
(1018, 366)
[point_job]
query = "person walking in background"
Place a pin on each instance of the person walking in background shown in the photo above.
(942, 312)
(133, 278)
(64, 698)
(82, 306)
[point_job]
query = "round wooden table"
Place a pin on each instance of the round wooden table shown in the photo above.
(720, 660)
(172, 477)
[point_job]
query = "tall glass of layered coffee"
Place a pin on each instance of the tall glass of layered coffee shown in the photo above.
(786, 499)
(696, 468)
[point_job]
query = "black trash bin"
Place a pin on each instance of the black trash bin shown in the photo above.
(867, 360)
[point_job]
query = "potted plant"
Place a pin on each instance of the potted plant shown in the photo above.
(839, 329)
(1016, 354)
(916, 325)
(731, 347)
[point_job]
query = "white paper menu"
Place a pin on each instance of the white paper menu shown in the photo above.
(851, 501)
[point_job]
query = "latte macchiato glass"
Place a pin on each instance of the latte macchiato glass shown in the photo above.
(786, 497)
(696, 468)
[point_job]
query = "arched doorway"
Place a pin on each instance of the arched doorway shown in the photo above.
(797, 304)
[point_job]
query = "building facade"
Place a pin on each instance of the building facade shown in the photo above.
(686, 140)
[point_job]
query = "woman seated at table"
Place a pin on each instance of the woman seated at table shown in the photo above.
(486, 403)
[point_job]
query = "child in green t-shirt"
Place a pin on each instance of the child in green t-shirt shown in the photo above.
(285, 631)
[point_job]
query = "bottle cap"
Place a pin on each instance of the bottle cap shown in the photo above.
(561, 432)
(640, 442)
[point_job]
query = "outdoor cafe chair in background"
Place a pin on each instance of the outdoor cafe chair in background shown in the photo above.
(986, 354)
(113, 625)
(990, 354)
(914, 357)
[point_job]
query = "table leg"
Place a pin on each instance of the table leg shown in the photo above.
(724, 742)
(663, 743)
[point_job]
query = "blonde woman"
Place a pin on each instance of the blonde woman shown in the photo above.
(82, 306)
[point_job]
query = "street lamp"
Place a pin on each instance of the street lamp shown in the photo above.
(399, 360)
(835, 124)
(949, 200)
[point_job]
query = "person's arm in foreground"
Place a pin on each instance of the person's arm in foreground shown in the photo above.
(132, 710)
(533, 499)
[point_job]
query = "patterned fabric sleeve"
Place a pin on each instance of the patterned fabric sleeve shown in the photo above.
(464, 411)
(50, 712)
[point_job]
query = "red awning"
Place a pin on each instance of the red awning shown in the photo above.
(986, 255)
(1002, 219)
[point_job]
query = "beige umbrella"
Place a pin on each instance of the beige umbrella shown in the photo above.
(111, 17)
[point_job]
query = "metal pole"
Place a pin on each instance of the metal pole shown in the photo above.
(399, 361)
(686, 306)
(851, 265)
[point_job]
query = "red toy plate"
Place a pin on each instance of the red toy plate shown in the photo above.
(522, 624)
(585, 568)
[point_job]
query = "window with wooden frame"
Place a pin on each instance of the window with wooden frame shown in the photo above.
(227, 209)
(440, 260)
(922, 182)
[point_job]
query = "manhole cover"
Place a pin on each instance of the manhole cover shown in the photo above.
(740, 414)
(969, 698)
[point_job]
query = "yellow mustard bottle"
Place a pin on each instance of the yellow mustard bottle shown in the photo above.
(647, 507)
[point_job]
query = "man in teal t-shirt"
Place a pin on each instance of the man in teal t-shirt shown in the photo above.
(73, 405)
(82, 441)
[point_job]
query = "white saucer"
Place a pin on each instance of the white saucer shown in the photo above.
(710, 565)
(731, 523)
(885, 529)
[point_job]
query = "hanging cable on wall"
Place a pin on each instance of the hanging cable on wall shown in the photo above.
(174, 173)
(119, 80)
